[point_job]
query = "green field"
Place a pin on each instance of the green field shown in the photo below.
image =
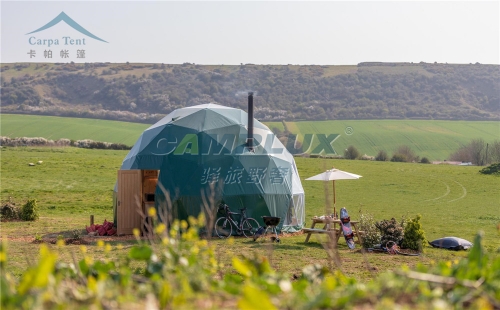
(72, 184)
(435, 140)
(53, 127)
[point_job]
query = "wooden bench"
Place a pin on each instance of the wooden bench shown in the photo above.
(316, 231)
(330, 228)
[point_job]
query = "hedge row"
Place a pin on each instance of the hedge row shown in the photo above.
(38, 141)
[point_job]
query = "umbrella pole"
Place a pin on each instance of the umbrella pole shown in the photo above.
(334, 211)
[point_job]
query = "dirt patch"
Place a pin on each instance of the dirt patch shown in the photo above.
(86, 239)
(113, 238)
(67, 241)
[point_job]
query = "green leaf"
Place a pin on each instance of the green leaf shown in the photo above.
(164, 296)
(242, 267)
(140, 252)
(254, 298)
(38, 277)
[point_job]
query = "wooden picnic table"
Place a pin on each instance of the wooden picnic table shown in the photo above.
(330, 227)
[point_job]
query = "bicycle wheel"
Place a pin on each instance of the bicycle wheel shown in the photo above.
(223, 227)
(249, 227)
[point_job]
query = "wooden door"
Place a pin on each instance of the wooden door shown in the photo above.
(129, 204)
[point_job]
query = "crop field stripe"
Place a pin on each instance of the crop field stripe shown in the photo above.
(432, 139)
(435, 140)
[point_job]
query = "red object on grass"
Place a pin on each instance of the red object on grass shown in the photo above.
(105, 229)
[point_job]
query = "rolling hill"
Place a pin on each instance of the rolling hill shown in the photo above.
(146, 92)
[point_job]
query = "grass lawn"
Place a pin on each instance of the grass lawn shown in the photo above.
(71, 184)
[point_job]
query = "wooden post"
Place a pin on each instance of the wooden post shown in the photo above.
(91, 220)
(334, 209)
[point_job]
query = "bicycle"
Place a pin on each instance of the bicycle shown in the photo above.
(224, 225)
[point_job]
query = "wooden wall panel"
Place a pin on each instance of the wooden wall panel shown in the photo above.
(129, 201)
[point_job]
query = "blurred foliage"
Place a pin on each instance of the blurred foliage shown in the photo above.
(176, 269)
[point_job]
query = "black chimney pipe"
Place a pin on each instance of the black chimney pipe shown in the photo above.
(250, 121)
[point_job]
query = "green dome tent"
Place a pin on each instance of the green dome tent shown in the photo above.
(201, 151)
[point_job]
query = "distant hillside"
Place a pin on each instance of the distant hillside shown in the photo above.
(145, 92)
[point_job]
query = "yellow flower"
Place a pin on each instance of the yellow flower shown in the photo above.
(107, 248)
(164, 240)
(83, 249)
(184, 224)
(119, 246)
(230, 240)
(136, 232)
(192, 220)
(88, 260)
(201, 218)
(100, 243)
(60, 243)
(448, 264)
(160, 228)
(152, 212)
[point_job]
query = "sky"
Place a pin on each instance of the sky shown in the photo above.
(235, 32)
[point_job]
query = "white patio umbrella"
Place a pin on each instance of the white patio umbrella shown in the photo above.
(333, 175)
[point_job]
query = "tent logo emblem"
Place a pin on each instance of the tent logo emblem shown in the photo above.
(65, 42)
(229, 144)
(63, 17)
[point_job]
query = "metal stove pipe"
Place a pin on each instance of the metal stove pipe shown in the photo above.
(250, 121)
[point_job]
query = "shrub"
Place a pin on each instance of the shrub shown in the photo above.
(491, 169)
(38, 237)
(9, 211)
(382, 156)
(425, 160)
(391, 231)
(76, 234)
(414, 236)
(404, 151)
(400, 158)
(474, 152)
(371, 235)
(29, 211)
(351, 152)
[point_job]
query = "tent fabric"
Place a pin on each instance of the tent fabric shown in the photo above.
(201, 152)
